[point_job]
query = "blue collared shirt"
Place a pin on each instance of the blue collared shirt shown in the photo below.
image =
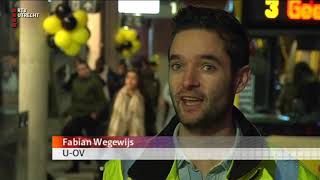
(187, 171)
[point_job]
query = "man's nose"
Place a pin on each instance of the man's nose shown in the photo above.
(190, 79)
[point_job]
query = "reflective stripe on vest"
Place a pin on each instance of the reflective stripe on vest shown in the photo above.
(173, 174)
(306, 174)
(113, 170)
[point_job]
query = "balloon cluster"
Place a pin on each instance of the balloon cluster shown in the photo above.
(155, 58)
(127, 42)
(66, 29)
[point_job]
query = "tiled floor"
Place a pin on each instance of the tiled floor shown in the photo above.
(57, 168)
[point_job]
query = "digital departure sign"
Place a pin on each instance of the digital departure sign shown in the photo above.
(281, 14)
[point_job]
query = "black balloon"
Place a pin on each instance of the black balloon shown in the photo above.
(69, 22)
(62, 10)
(117, 48)
(122, 47)
(50, 41)
(127, 45)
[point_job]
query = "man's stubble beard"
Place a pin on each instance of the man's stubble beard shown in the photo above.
(213, 114)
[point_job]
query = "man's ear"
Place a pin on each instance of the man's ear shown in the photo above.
(242, 78)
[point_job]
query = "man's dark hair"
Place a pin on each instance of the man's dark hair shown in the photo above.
(82, 62)
(229, 29)
(122, 62)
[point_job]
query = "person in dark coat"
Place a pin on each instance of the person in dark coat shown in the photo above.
(87, 102)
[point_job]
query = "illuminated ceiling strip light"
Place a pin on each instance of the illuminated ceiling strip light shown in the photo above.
(173, 8)
(140, 7)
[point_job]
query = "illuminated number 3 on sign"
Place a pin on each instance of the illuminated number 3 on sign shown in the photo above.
(273, 10)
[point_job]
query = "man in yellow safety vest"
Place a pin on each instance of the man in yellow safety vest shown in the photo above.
(208, 65)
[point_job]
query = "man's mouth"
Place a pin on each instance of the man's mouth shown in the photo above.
(191, 100)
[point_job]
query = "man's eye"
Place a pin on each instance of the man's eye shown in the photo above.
(175, 66)
(208, 67)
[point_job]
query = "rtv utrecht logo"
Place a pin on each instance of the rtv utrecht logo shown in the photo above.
(21, 13)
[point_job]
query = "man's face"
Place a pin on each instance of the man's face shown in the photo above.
(83, 70)
(121, 69)
(199, 77)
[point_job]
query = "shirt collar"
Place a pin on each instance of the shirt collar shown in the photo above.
(148, 169)
(225, 164)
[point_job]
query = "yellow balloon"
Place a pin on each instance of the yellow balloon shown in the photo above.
(155, 58)
(131, 34)
(52, 24)
(81, 17)
(73, 49)
(80, 35)
(123, 31)
(126, 53)
(62, 39)
(120, 38)
(136, 45)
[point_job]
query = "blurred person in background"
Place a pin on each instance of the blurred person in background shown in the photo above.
(151, 92)
(102, 71)
(301, 97)
(115, 80)
(69, 77)
(127, 116)
(9, 83)
(170, 109)
(87, 102)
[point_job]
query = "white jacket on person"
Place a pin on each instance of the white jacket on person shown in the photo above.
(127, 116)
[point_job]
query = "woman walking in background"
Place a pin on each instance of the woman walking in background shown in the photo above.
(127, 116)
